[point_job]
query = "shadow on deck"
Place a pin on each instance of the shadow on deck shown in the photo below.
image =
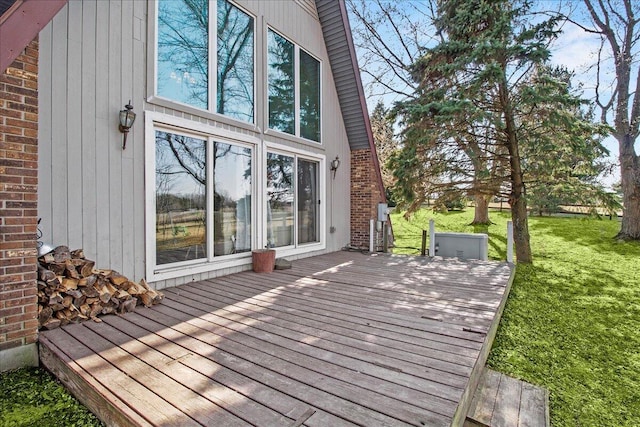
(340, 339)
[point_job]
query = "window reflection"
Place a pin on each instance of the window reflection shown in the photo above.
(307, 199)
(235, 62)
(232, 199)
(183, 51)
(309, 97)
(281, 83)
(279, 200)
(180, 198)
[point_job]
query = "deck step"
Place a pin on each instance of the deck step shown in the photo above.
(502, 401)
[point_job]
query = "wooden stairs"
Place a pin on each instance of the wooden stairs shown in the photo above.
(502, 401)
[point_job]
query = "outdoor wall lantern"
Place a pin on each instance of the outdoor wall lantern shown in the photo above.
(127, 117)
(335, 164)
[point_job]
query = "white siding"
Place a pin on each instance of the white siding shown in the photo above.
(93, 59)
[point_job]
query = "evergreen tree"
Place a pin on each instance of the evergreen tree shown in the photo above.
(473, 76)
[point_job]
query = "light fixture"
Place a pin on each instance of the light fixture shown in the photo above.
(127, 117)
(335, 164)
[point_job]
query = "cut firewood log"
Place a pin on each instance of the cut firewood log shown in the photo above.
(55, 298)
(58, 268)
(123, 295)
(86, 270)
(128, 306)
(69, 284)
(67, 301)
(104, 294)
(70, 270)
(88, 281)
(95, 310)
(144, 284)
(77, 254)
(44, 315)
(90, 291)
(78, 301)
(45, 274)
(151, 297)
(117, 279)
(61, 254)
(51, 323)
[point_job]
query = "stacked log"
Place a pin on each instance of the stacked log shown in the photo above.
(71, 290)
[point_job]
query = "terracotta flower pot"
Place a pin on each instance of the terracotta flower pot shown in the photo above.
(263, 260)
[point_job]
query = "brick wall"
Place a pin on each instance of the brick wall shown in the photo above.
(18, 203)
(365, 196)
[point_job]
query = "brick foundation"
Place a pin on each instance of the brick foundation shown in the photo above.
(18, 209)
(365, 196)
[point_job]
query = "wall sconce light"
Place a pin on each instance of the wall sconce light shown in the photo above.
(335, 164)
(127, 117)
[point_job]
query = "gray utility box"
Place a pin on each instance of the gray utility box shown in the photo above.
(461, 245)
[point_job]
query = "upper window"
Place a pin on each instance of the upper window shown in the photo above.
(184, 56)
(294, 89)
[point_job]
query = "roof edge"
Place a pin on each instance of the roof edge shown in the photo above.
(21, 23)
(363, 103)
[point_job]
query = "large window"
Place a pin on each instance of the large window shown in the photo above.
(184, 56)
(202, 185)
(294, 102)
(292, 200)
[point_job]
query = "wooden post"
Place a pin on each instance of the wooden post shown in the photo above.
(385, 237)
(423, 250)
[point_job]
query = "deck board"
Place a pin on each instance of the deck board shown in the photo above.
(340, 339)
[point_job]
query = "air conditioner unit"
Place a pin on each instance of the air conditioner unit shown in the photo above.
(462, 245)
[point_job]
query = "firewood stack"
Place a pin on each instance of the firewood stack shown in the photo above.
(71, 290)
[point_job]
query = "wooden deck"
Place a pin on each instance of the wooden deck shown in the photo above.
(502, 401)
(338, 340)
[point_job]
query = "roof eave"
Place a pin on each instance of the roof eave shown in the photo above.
(21, 23)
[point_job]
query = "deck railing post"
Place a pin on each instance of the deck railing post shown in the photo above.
(510, 241)
(432, 238)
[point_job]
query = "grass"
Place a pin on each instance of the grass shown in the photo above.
(30, 397)
(572, 321)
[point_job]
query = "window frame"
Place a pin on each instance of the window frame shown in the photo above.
(157, 121)
(297, 95)
(212, 69)
(297, 248)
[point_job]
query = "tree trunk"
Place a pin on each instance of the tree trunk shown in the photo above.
(630, 174)
(518, 200)
(481, 214)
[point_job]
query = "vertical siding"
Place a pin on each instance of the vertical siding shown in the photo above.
(88, 96)
(94, 59)
(74, 131)
(58, 177)
(95, 197)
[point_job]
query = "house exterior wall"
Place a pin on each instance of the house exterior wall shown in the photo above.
(94, 58)
(365, 196)
(18, 210)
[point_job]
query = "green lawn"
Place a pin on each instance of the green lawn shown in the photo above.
(30, 397)
(572, 321)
